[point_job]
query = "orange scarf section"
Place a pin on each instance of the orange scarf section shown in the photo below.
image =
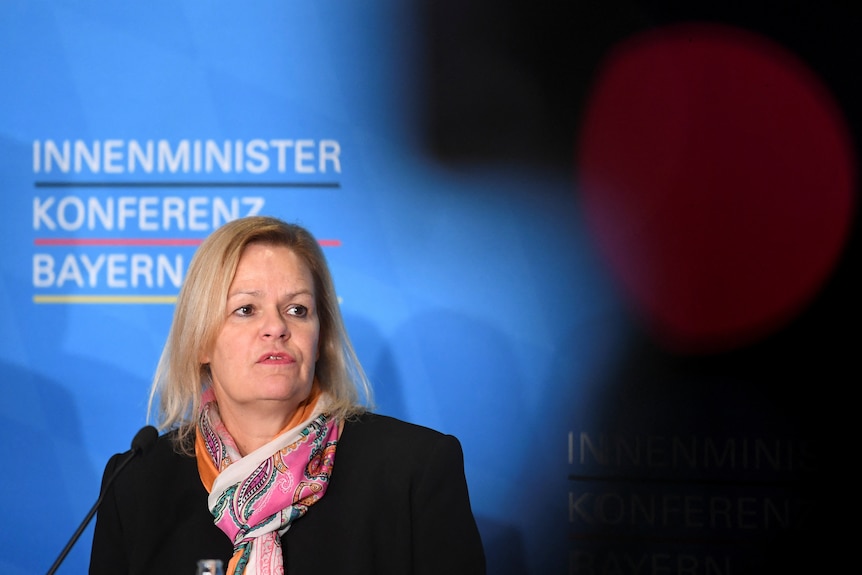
(206, 467)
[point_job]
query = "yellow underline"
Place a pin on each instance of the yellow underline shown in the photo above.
(158, 299)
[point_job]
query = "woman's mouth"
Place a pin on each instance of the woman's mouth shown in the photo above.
(275, 357)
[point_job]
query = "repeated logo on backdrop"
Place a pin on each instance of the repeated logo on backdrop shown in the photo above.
(116, 221)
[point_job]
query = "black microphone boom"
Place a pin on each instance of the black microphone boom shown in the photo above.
(144, 439)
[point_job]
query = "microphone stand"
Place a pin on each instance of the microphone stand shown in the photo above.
(144, 438)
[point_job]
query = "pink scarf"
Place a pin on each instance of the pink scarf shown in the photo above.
(254, 499)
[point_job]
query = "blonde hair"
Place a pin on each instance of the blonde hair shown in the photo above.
(199, 315)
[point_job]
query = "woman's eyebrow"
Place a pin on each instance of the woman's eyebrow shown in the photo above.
(258, 293)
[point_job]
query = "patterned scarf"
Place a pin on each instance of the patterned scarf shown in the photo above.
(254, 499)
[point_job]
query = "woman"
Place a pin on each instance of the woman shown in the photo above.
(269, 462)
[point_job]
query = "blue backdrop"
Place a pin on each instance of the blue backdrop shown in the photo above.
(468, 274)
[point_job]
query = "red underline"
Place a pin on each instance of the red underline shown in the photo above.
(117, 242)
(139, 242)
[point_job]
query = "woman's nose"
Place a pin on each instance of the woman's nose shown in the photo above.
(275, 325)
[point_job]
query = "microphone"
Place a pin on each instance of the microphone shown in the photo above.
(143, 440)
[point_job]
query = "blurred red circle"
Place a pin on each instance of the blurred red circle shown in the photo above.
(717, 175)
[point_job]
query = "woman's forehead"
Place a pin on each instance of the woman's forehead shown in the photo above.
(265, 268)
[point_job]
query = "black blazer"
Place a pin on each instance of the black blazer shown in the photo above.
(397, 504)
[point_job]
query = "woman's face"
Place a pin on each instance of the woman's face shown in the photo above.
(265, 354)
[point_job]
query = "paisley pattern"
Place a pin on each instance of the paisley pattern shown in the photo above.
(254, 499)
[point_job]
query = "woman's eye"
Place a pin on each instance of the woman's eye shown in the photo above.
(297, 310)
(244, 310)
